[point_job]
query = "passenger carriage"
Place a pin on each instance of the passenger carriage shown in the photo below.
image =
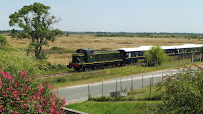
(132, 55)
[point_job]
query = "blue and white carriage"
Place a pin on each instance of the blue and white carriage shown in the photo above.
(132, 55)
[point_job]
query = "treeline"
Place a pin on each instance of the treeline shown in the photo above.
(171, 35)
(20, 34)
(157, 36)
(194, 37)
(114, 35)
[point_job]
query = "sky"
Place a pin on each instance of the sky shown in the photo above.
(117, 15)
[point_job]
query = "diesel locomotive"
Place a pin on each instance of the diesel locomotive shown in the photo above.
(88, 59)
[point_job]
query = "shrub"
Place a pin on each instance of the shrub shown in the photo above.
(184, 94)
(2, 41)
(155, 55)
(18, 93)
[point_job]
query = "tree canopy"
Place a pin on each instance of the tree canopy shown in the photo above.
(36, 21)
(156, 55)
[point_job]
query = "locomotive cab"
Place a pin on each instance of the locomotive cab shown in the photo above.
(80, 57)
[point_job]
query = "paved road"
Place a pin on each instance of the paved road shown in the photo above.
(80, 93)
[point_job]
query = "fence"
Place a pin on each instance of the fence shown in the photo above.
(127, 84)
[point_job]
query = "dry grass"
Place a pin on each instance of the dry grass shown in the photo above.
(76, 41)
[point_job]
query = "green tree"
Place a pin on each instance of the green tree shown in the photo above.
(36, 21)
(156, 56)
(14, 33)
(201, 50)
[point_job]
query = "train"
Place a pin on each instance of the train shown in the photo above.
(88, 59)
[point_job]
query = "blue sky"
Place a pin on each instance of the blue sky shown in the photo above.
(117, 15)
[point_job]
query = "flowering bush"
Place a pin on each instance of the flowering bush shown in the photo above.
(19, 94)
(184, 93)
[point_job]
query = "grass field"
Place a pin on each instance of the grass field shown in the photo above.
(68, 45)
(122, 107)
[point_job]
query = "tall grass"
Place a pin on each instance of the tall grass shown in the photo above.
(13, 61)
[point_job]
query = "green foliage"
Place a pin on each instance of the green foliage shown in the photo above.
(184, 93)
(56, 48)
(35, 20)
(13, 33)
(13, 61)
(3, 41)
(201, 50)
(156, 56)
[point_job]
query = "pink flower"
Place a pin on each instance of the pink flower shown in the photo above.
(15, 85)
(20, 71)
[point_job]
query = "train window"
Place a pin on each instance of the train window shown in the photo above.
(92, 52)
(142, 53)
(186, 50)
(83, 51)
(129, 55)
(133, 54)
(78, 51)
(139, 53)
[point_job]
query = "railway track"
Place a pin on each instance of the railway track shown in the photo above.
(56, 75)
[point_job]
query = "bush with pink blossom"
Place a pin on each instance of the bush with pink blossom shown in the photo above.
(20, 94)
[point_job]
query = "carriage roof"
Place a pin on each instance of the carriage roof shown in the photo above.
(145, 48)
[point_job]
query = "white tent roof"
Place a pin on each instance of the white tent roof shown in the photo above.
(145, 48)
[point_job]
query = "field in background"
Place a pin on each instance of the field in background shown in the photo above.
(60, 51)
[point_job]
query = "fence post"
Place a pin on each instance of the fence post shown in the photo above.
(152, 80)
(120, 85)
(142, 81)
(192, 57)
(162, 77)
(132, 86)
(88, 92)
(102, 89)
(116, 88)
(200, 58)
